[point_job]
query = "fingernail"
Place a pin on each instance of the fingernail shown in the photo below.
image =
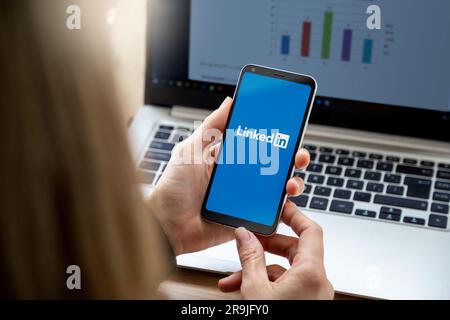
(227, 99)
(242, 235)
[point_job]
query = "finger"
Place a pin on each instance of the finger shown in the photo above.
(302, 159)
(211, 129)
(310, 245)
(218, 118)
(295, 186)
(231, 283)
(275, 271)
(281, 245)
(253, 262)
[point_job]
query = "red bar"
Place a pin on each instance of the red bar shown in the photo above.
(306, 38)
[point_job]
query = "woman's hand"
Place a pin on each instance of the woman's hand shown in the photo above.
(178, 196)
(306, 279)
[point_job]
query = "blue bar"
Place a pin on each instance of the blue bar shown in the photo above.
(367, 51)
(285, 41)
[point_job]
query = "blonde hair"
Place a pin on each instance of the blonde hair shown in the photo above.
(68, 193)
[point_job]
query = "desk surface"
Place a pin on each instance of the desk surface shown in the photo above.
(196, 285)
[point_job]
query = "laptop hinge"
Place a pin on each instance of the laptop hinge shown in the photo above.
(189, 113)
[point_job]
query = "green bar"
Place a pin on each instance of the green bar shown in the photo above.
(326, 37)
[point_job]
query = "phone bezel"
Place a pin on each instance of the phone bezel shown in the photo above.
(230, 221)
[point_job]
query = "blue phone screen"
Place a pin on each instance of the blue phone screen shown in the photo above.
(258, 148)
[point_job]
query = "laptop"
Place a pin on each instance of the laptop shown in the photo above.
(379, 134)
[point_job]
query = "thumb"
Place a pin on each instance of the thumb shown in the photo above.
(251, 254)
(218, 118)
(213, 126)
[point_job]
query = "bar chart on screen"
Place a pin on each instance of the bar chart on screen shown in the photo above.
(326, 31)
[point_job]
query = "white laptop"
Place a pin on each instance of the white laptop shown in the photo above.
(379, 135)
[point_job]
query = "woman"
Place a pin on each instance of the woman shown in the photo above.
(68, 189)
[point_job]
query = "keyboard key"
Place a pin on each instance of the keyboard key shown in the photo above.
(185, 129)
(362, 196)
(375, 156)
(299, 175)
(314, 167)
(437, 221)
(165, 127)
(178, 137)
(342, 194)
(400, 202)
(355, 184)
(162, 135)
(146, 177)
(390, 210)
(342, 152)
(335, 182)
(375, 187)
(441, 196)
(150, 165)
(318, 203)
(327, 158)
(326, 149)
(439, 208)
(310, 147)
(410, 161)
(372, 175)
(157, 156)
(300, 201)
(312, 156)
(315, 178)
(392, 178)
(441, 174)
(414, 220)
(427, 163)
(444, 165)
(341, 206)
(308, 188)
(385, 166)
(353, 173)
(334, 170)
(346, 161)
(398, 190)
(359, 154)
(366, 164)
(390, 214)
(418, 188)
(365, 213)
(162, 145)
(441, 185)
(322, 191)
(392, 159)
(418, 171)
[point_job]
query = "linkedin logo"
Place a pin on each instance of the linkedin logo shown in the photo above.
(279, 140)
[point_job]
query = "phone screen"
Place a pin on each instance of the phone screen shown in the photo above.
(259, 145)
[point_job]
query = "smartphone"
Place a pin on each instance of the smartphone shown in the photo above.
(265, 128)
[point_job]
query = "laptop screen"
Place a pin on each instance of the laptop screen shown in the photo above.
(398, 72)
(405, 63)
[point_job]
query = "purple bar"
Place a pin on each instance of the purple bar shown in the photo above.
(347, 45)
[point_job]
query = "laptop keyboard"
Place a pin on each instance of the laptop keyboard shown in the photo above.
(370, 185)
